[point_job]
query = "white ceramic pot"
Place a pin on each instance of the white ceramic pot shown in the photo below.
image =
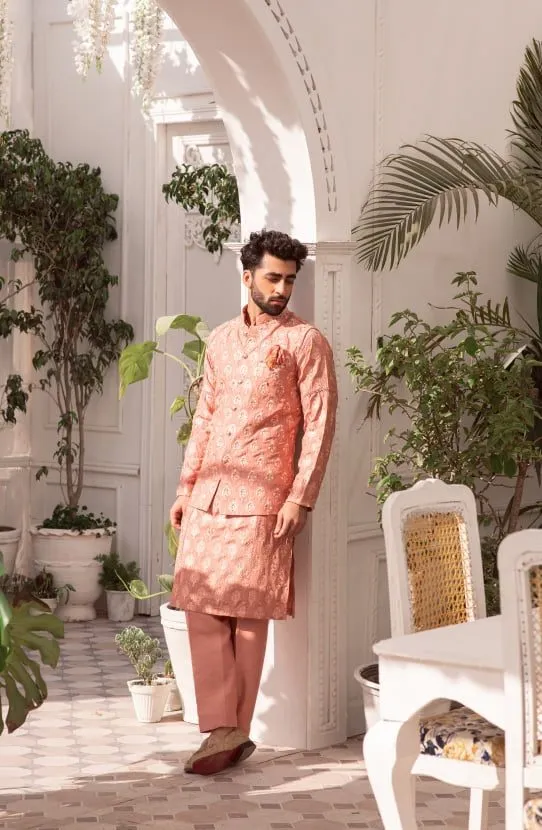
(71, 558)
(174, 702)
(120, 606)
(149, 701)
(52, 602)
(9, 545)
(176, 637)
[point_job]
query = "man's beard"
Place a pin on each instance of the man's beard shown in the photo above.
(268, 307)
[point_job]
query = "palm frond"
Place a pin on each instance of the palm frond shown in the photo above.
(527, 112)
(436, 180)
(526, 263)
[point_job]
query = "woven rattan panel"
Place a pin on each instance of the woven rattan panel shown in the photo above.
(439, 572)
(536, 629)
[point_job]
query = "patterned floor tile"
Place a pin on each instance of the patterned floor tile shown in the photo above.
(83, 761)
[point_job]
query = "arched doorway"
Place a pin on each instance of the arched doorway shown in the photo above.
(286, 169)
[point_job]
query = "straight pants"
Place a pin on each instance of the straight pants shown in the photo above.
(227, 661)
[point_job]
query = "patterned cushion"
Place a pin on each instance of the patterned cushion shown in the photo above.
(533, 814)
(462, 735)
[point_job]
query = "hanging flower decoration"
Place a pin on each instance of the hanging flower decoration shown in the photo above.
(6, 60)
(93, 21)
(146, 48)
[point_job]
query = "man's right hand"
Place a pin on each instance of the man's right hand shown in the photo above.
(177, 511)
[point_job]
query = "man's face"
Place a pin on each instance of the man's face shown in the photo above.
(271, 284)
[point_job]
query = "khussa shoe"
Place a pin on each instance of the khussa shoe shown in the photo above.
(223, 748)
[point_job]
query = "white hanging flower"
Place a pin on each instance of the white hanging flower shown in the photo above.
(93, 22)
(6, 60)
(147, 50)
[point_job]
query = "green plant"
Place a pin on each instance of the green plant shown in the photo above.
(43, 587)
(142, 651)
(468, 410)
(211, 190)
(22, 630)
(137, 587)
(59, 215)
(115, 573)
(135, 362)
(78, 519)
(168, 669)
(440, 180)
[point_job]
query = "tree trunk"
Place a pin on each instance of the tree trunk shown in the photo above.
(517, 498)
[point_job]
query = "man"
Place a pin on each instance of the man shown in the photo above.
(241, 498)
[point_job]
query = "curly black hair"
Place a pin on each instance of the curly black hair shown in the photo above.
(276, 244)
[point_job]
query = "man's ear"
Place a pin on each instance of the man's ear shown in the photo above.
(247, 278)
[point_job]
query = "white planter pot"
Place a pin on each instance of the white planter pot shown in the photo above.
(52, 602)
(71, 558)
(367, 677)
(176, 636)
(149, 701)
(120, 606)
(174, 702)
(9, 545)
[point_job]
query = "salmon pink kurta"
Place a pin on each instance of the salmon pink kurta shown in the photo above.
(264, 385)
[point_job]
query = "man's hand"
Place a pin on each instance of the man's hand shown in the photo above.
(291, 520)
(177, 511)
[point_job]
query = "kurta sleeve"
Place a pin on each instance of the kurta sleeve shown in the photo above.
(201, 429)
(318, 393)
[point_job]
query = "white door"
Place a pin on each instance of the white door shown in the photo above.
(196, 283)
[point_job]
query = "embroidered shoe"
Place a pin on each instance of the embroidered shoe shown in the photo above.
(223, 748)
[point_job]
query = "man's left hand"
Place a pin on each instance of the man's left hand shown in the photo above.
(291, 520)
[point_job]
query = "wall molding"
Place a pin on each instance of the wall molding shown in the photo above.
(315, 99)
(100, 467)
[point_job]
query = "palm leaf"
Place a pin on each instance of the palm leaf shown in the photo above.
(435, 181)
(527, 112)
(526, 263)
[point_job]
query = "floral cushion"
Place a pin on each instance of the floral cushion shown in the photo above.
(533, 814)
(462, 735)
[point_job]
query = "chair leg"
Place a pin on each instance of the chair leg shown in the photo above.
(479, 810)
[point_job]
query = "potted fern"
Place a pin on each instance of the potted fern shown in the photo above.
(149, 690)
(44, 589)
(114, 578)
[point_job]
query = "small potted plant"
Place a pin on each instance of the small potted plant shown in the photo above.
(174, 702)
(43, 588)
(149, 691)
(114, 578)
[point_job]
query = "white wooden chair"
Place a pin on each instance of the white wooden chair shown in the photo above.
(520, 578)
(435, 578)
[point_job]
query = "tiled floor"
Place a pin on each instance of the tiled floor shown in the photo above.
(83, 760)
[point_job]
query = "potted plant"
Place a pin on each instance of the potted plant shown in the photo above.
(149, 691)
(114, 578)
(44, 589)
(13, 399)
(59, 215)
(174, 702)
(175, 631)
(134, 366)
(24, 628)
(463, 411)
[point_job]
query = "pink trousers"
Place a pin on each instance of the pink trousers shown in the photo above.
(227, 661)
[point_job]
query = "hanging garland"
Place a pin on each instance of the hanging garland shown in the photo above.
(147, 51)
(93, 21)
(6, 60)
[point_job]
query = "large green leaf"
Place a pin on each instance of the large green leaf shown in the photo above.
(28, 630)
(527, 111)
(435, 181)
(194, 349)
(134, 363)
(177, 321)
